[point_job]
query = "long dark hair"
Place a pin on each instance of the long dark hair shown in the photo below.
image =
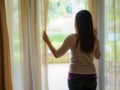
(84, 29)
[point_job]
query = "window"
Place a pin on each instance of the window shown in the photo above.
(61, 15)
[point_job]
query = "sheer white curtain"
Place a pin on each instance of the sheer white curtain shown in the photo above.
(112, 45)
(43, 26)
(26, 22)
(110, 42)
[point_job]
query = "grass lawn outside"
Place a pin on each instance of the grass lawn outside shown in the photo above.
(63, 59)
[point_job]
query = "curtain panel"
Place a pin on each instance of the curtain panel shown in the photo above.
(92, 6)
(112, 44)
(26, 20)
(43, 26)
(5, 64)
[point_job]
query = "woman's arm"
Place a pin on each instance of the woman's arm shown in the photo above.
(95, 32)
(97, 50)
(62, 50)
(46, 39)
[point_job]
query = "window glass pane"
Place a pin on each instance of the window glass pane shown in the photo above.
(61, 15)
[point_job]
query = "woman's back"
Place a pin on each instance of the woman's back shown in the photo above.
(81, 63)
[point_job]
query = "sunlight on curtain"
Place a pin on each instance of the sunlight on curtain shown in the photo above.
(13, 21)
(43, 26)
(25, 35)
(112, 45)
(92, 7)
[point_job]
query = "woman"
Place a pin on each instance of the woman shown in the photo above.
(84, 46)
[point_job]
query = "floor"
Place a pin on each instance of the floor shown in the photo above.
(57, 76)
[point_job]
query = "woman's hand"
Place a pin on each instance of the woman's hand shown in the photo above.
(45, 37)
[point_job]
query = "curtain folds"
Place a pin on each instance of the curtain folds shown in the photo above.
(5, 64)
(43, 26)
(26, 20)
(112, 44)
(92, 6)
(25, 37)
(31, 46)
